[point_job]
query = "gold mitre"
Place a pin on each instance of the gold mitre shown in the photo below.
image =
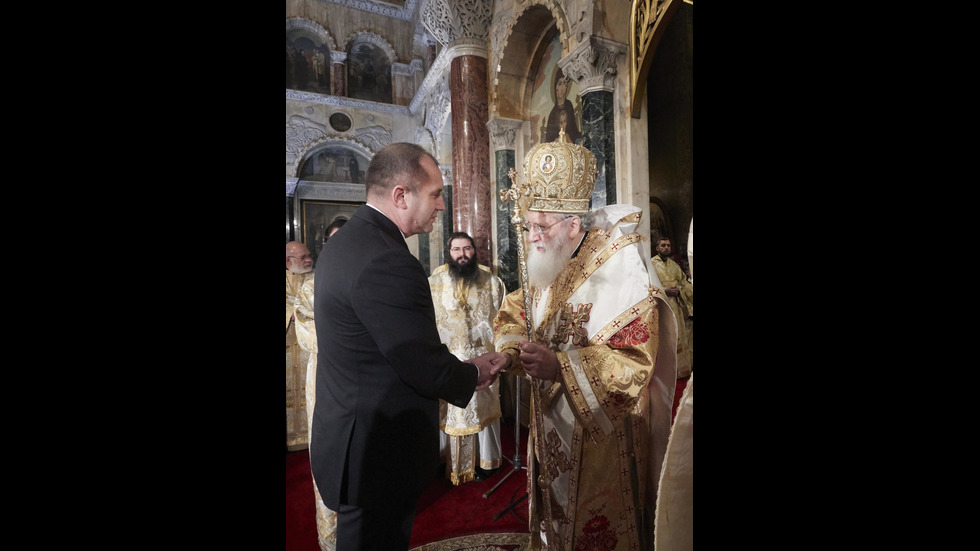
(560, 175)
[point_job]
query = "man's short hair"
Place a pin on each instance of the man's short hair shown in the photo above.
(398, 163)
(459, 235)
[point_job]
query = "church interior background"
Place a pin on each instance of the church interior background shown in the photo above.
(478, 83)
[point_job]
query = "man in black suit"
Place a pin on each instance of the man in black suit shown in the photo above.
(381, 367)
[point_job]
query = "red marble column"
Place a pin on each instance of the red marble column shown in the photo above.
(472, 200)
(339, 81)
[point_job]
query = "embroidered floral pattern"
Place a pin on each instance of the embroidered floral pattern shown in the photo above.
(634, 334)
(596, 535)
(557, 460)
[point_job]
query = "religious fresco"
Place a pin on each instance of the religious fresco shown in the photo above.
(307, 63)
(554, 100)
(334, 164)
(368, 73)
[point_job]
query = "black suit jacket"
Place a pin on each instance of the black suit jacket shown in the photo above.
(381, 368)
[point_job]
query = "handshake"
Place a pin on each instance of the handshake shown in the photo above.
(490, 364)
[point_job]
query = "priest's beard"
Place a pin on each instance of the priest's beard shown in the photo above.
(543, 268)
(300, 269)
(466, 271)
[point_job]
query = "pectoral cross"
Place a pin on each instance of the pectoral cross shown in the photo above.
(570, 325)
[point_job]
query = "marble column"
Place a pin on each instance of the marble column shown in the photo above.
(600, 139)
(503, 135)
(472, 199)
(593, 65)
(447, 215)
(463, 30)
(338, 80)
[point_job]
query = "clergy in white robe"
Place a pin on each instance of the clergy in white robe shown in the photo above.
(299, 333)
(466, 296)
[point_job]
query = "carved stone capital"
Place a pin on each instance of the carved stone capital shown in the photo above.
(469, 46)
(452, 20)
(504, 132)
(593, 64)
(338, 57)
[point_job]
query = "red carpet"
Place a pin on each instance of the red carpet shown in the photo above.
(444, 511)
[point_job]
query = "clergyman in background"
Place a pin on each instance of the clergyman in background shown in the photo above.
(466, 296)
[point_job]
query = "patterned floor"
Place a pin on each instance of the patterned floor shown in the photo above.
(480, 542)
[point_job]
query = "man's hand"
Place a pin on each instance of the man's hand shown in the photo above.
(539, 361)
(490, 364)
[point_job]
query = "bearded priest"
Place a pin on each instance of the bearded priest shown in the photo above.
(466, 296)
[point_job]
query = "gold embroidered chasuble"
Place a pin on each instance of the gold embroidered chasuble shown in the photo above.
(300, 338)
(599, 432)
(671, 275)
(465, 314)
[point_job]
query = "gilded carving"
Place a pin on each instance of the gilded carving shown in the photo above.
(645, 18)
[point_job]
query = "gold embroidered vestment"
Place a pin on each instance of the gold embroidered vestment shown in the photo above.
(599, 432)
(465, 312)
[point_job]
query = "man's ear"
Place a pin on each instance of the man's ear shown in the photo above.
(398, 196)
(574, 226)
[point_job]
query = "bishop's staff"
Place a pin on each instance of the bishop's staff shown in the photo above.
(518, 193)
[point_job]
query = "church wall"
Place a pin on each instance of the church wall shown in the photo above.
(373, 124)
(612, 20)
(342, 21)
(643, 165)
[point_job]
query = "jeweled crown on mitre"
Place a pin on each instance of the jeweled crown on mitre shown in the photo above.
(560, 175)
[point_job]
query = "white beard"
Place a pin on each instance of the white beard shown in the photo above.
(543, 268)
(300, 269)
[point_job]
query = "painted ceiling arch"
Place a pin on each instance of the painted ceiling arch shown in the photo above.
(517, 44)
(371, 38)
(301, 24)
(334, 148)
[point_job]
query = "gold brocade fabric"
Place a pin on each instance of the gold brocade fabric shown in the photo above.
(671, 275)
(305, 335)
(464, 316)
(599, 432)
(299, 334)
